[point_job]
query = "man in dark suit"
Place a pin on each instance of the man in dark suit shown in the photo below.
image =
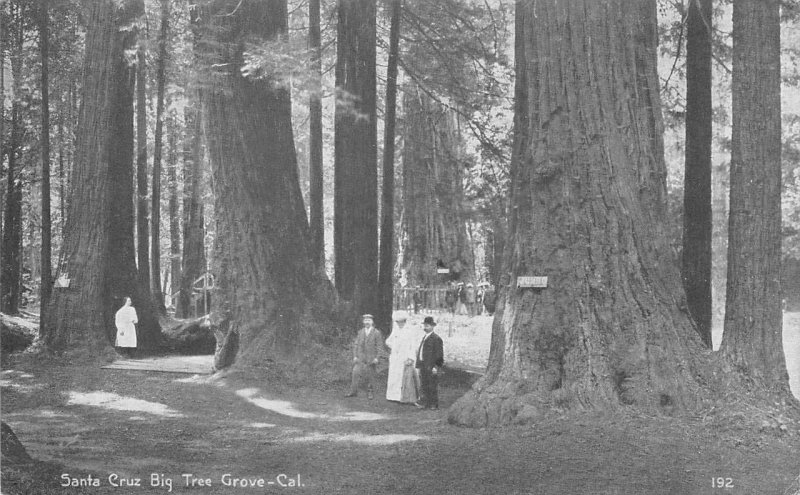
(367, 351)
(430, 358)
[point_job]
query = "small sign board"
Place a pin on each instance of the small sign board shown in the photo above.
(443, 270)
(62, 282)
(531, 282)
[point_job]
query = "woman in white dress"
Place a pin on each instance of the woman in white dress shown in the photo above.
(402, 383)
(125, 321)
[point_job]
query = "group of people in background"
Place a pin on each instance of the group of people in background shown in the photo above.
(459, 298)
(415, 361)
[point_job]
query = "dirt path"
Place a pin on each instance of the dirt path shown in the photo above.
(159, 426)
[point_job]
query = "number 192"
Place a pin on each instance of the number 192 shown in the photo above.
(721, 482)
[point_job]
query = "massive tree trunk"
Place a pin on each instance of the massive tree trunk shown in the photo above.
(587, 211)
(752, 339)
(386, 269)
(433, 194)
(355, 231)
(268, 287)
(158, 147)
(11, 253)
(46, 261)
(98, 251)
(317, 211)
(142, 219)
(697, 226)
(193, 261)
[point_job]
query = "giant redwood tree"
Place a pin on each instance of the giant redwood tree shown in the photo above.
(587, 211)
(355, 225)
(269, 289)
(752, 338)
(98, 251)
(433, 216)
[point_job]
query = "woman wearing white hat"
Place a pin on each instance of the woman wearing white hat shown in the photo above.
(402, 384)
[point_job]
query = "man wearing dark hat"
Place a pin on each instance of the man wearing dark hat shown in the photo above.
(367, 350)
(430, 358)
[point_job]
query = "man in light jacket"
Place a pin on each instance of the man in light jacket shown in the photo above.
(367, 350)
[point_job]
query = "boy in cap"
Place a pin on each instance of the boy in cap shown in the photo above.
(367, 350)
(430, 358)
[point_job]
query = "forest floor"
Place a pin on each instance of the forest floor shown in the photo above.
(115, 425)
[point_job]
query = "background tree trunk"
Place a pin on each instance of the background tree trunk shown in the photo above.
(317, 213)
(11, 270)
(433, 193)
(142, 226)
(386, 269)
(174, 219)
(193, 261)
(355, 228)
(155, 227)
(752, 339)
(697, 226)
(46, 262)
(97, 256)
(588, 206)
(268, 287)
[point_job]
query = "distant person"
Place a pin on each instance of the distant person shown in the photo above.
(450, 298)
(367, 350)
(125, 320)
(430, 359)
(469, 299)
(479, 292)
(490, 300)
(461, 302)
(402, 385)
(417, 299)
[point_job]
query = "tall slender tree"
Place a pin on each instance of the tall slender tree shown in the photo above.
(588, 212)
(752, 338)
(386, 268)
(269, 291)
(158, 148)
(11, 252)
(98, 264)
(316, 209)
(355, 230)
(44, 49)
(697, 226)
(174, 219)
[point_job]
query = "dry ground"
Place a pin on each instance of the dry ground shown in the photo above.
(136, 424)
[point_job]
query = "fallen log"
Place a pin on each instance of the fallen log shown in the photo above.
(191, 337)
(16, 334)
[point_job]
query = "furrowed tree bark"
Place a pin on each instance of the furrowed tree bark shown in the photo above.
(317, 212)
(98, 255)
(193, 261)
(432, 192)
(355, 228)
(158, 147)
(752, 338)
(269, 290)
(587, 211)
(142, 218)
(697, 217)
(46, 261)
(386, 268)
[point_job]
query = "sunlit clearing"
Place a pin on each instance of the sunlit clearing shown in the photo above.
(359, 438)
(260, 425)
(109, 400)
(287, 408)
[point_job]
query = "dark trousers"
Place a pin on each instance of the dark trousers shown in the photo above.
(430, 388)
(362, 372)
